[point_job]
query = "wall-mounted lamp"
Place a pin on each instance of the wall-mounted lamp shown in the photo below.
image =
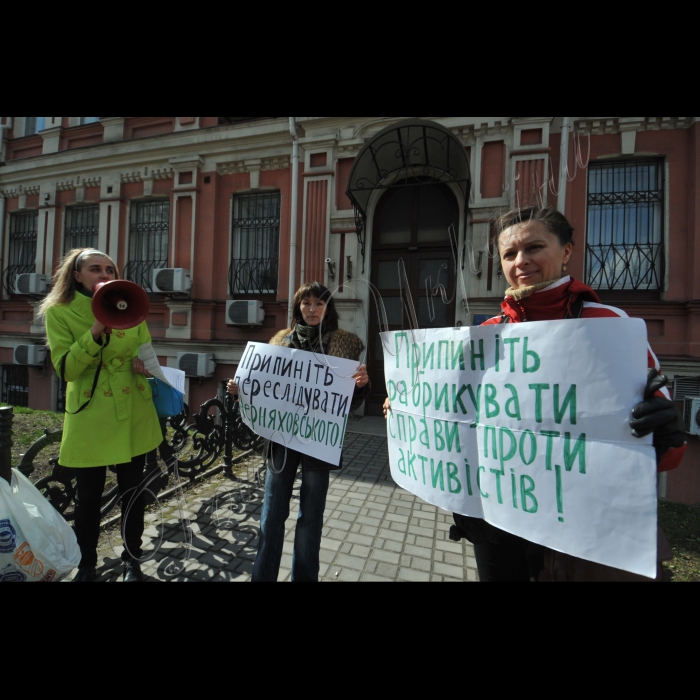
(349, 267)
(331, 268)
(47, 197)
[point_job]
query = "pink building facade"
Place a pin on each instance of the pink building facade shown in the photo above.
(251, 206)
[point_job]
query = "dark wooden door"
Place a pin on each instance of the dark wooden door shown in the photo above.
(411, 258)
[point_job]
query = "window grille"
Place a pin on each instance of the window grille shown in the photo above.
(22, 251)
(256, 240)
(15, 386)
(82, 227)
(149, 239)
(625, 243)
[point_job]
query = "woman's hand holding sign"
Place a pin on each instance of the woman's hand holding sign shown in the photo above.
(658, 415)
(361, 377)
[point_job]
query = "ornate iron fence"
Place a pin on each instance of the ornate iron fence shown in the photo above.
(190, 445)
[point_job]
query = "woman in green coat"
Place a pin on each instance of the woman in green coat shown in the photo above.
(111, 423)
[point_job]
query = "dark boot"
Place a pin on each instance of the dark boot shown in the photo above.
(132, 572)
(86, 574)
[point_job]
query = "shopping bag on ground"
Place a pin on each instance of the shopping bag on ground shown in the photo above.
(36, 544)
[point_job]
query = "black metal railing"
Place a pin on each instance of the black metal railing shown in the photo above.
(141, 272)
(11, 273)
(257, 276)
(634, 267)
(191, 446)
(15, 386)
(6, 417)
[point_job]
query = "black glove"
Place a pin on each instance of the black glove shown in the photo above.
(659, 416)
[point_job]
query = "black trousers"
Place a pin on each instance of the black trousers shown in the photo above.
(90, 487)
(500, 556)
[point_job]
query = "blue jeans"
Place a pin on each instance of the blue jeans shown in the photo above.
(278, 495)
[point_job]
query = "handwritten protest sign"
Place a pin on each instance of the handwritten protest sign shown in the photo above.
(296, 398)
(527, 427)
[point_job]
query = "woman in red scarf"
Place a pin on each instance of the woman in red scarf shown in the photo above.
(535, 246)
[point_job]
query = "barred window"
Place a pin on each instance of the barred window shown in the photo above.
(256, 241)
(22, 251)
(625, 243)
(15, 386)
(149, 239)
(82, 226)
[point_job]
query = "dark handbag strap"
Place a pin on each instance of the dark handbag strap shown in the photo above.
(576, 310)
(94, 384)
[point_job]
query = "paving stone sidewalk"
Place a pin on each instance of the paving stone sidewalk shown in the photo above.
(374, 531)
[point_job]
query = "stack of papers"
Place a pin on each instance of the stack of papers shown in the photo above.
(173, 377)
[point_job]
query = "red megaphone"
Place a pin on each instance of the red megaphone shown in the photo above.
(120, 305)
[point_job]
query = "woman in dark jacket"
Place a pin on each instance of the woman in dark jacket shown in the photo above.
(315, 329)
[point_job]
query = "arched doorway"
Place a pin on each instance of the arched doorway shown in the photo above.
(411, 232)
(419, 165)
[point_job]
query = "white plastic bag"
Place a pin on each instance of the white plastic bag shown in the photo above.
(36, 544)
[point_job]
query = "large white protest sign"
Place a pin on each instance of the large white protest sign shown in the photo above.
(527, 427)
(296, 398)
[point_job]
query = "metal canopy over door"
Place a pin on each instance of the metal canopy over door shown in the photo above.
(409, 149)
(411, 232)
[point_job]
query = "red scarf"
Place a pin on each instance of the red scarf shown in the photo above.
(548, 305)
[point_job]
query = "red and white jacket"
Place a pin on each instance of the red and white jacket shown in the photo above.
(558, 302)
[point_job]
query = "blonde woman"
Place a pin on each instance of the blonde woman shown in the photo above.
(110, 416)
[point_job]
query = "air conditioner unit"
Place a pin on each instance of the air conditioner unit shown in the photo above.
(692, 415)
(244, 313)
(196, 365)
(30, 355)
(686, 387)
(172, 281)
(31, 284)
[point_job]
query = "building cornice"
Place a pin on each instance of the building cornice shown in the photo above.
(597, 126)
(229, 148)
(214, 145)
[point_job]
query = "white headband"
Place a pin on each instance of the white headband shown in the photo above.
(88, 254)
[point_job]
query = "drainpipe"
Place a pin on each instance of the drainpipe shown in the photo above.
(2, 228)
(564, 163)
(3, 129)
(295, 218)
